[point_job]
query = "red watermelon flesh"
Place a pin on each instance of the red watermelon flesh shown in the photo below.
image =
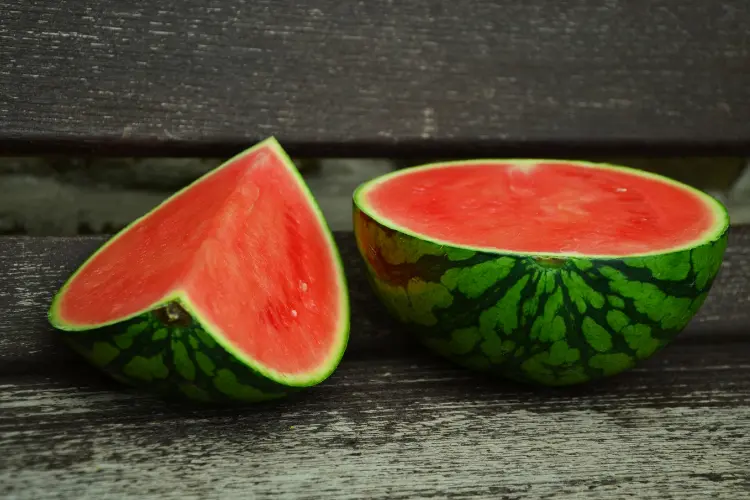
(552, 207)
(244, 250)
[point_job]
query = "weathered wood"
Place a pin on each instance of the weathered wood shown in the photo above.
(374, 77)
(392, 422)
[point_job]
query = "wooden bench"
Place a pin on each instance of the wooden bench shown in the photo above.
(409, 79)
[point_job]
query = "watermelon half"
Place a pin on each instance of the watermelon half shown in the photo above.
(543, 271)
(232, 289)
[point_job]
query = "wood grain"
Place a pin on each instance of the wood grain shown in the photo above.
(392, 422)
(374, 77)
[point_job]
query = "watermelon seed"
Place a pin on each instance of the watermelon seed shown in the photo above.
(173, 314)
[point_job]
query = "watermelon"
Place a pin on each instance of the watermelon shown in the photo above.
(546, 272)
(231, 290)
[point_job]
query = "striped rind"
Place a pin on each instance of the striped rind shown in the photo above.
(256, 382)
(553, 322)
(182, 362)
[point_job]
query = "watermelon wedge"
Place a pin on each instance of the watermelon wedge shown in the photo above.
(230, 290)
(542, 271)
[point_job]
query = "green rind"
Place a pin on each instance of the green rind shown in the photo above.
(566, 322)
(269, 383)
(175, 362)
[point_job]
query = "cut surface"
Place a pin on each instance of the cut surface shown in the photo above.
(540, 206)
(244, 248)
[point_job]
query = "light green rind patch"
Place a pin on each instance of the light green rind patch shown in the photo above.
(549, 369)
(417, 302)
(137, 328)
(394, 298)
(194, 392)
(556, 331)
(463, 340)
(639, 339)
(541, 283)
(146, 369)
(102, 353)
(617, 319)
(560, 353)
(537, 368)
(204, 363)
(530, 308)
(226, 383)
(497, 350)
(158, 368)
(596, 336)
(206, 338)
(549, 278)
(458, 254)
(475, 280)
(425, 297)
(504, 314)
(616, 301)
(193, 342)
(182, 362)
(582, 264)
(550, 327)
(611, 364)
(581, 293)
(124, 340)
(531, 305)
(671, 267)
(396, 249)
(545, 280)
(160, 334)
(707, 261)
(411, 250)
(671, 312)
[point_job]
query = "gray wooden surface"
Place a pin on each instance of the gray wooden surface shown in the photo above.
(392, 422)
(373, 77)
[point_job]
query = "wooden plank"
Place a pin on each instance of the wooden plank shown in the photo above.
(392, 422)
(386, 429)
(366, 78)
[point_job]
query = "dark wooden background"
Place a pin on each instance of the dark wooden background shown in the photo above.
(375, 77)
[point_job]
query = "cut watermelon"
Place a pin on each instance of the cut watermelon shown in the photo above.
(542, 271)
(231, 289)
